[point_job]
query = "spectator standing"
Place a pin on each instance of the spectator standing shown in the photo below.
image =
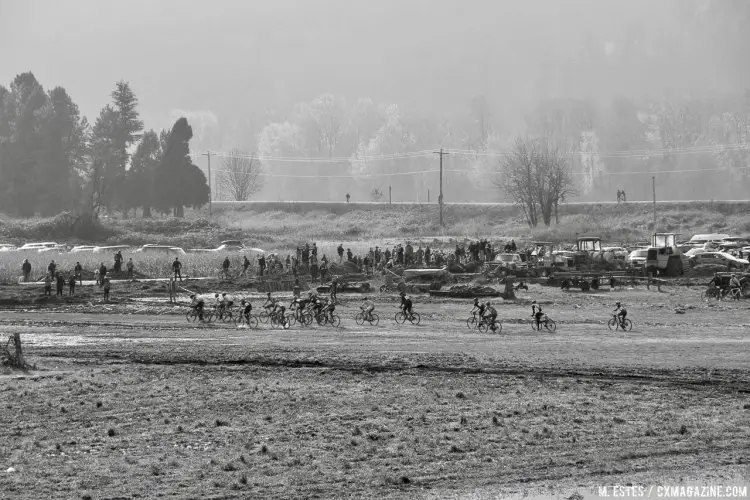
(26, 269)
(77, 273)
(72, 284)
(118, 262)
(176, 268)
(340, 251)
(48, 285)
(225, 267)
(102, 273)
(347, 197)
(130, 267)
(261, 264)
(51, 268)
(245, 265)
(107, 286)
(60, 282)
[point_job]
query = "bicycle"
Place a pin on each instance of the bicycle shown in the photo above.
(484, 326)
(471, 322)
(371, 318)
(251, 320)
(616, 323)
(323, 319)
(711, 293)
(192, 315)
(545, 322)
(733, 294)
(414, 318)
(278, 320)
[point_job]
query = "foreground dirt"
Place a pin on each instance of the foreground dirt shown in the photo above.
(135, 403)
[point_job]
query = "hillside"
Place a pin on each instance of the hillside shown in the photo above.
(283, 225)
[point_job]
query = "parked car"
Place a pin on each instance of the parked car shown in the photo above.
(111, 249)
(619, 253)
(637, 258)
(161, 250)
(510, 261)
(719, 258)
(82, 248)
(8, 247)
(35, 247)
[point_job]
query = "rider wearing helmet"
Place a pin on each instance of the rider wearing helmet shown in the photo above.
(270, 304)
(478, 308)
(247, 307)
(491, 313)
(620, 312)
(367, 307)
(536, 312)
(197, 303)
(406, 303)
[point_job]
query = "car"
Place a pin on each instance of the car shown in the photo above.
(8, 247)
(82, 248)
(718, 258)
(695, 251)
(35, 247)
(619, 253)
(510, 261)
(637, 258)
(161, 250)
(111, 249)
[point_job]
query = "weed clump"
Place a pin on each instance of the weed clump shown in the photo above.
(111, 432)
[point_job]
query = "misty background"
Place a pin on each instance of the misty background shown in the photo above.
(338, 79)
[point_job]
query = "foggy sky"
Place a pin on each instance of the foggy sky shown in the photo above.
(250, 58)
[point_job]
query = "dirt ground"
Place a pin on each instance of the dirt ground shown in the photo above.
(130, 401)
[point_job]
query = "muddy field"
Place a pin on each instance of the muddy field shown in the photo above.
(130, 401)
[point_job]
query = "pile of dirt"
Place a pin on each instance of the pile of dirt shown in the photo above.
(471, 290)
(343, 268)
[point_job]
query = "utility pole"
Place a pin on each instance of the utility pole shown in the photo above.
(208, 154)
(440, 196)
(390, 198)
(653, 186)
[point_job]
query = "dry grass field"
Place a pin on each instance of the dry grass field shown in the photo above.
(130, 401)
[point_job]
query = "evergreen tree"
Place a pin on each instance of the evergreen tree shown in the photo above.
(178, 182)
(140, 178)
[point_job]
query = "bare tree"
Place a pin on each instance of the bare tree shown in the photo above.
(536, 175)
(241, 175)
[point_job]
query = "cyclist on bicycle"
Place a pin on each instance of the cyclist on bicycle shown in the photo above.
(197, 303)
(734, 283)
(536, 312)
(620, 312)
(491, 313)
(478, 308)
(406, 305)
(270, 304)
(247, 308)
(367, 307)
(329, 308)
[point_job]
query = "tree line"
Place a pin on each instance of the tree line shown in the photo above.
(52, 159)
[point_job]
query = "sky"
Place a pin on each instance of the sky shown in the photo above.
(229, 60)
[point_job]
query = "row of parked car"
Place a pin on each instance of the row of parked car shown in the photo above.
(228, 246)
(718, 249)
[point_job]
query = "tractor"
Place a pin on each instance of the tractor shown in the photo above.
(663, 257)
(587, 247)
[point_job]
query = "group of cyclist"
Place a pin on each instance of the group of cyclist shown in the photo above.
(718, 288)
(325, 307)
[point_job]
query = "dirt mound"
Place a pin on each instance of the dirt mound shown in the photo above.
(343, 268)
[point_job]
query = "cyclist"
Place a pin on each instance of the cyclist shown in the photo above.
(478, 308)
(270, 304)
(621, 313)
(406, 305)
(330, 306)
(367, 308)
(491, 313)
(197, 303)
(318, 305)
(734, 283)
(226, 303)
(536, 312)
(247, 308)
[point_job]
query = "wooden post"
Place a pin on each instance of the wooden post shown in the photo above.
(18, 362)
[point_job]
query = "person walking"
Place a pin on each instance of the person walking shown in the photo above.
(102, 273)
(26, 269)
(48, 285)
(225, 268)
(60, 282)
(51, 268)
(245, 265)
(176, 268)
(130, 267)
(72, 284)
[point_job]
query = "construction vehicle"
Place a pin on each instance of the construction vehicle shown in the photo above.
(664, 257)
(587, 247)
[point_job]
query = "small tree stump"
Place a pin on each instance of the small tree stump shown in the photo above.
(15, 358)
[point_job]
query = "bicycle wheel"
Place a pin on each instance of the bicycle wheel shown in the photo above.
(228, 317)
(471, 322)
(612, 324)
(533, 325)
(735, 294)
(253, 322)
(498, 327)
(306, 319)
(334, 320)
(375, 319)
(291, 319)
(627, 325)
(415, 318)
(550, 325)
(321, 319)
(208, 316)
(264, 317)
(483, 327)
(360, 319)
(191, 316)
(400, 318)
